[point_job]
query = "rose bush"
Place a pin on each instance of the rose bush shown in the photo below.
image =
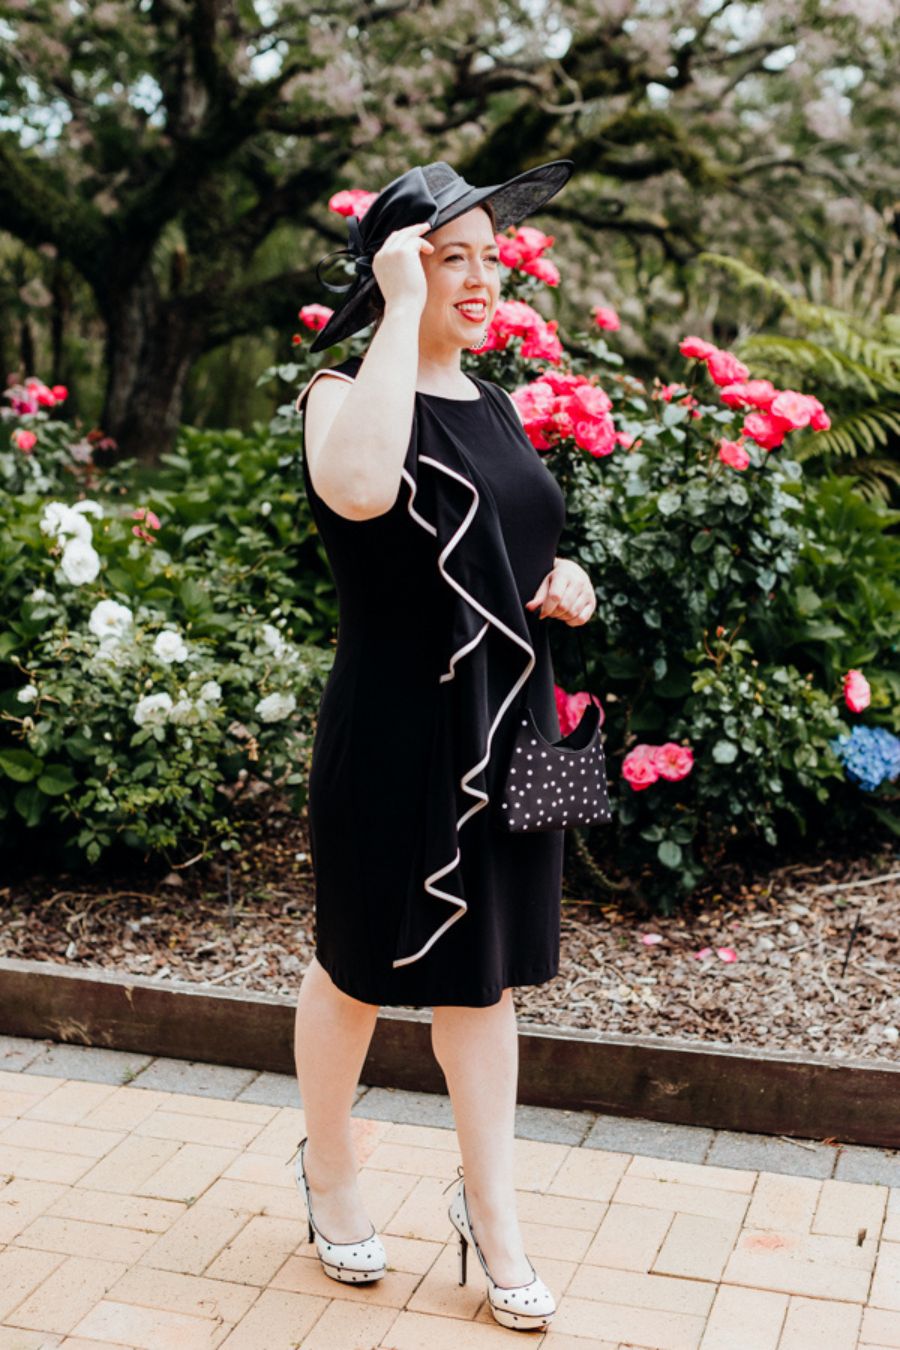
(734, 612)
(150, 675)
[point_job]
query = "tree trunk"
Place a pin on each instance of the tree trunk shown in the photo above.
(152, 343)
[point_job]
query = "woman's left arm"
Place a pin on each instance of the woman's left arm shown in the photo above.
(565, 593)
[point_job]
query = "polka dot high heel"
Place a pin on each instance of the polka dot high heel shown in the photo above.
(351, 1262)
(522, 1307)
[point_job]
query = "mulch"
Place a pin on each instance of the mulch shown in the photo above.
(759, 961)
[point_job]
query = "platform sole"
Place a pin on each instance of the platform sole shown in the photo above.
(352, 1276)
(520, 1321)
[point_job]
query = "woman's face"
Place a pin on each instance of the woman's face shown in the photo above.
(464, 267)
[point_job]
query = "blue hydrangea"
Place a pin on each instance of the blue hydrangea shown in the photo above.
(870, 756)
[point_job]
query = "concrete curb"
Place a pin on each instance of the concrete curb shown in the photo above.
(670, 1081)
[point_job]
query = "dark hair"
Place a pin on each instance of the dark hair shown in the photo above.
(378, 304)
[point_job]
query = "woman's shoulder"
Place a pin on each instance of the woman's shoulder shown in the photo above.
(505, 397)
(345, 370)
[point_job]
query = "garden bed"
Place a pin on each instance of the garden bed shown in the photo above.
(248, 925)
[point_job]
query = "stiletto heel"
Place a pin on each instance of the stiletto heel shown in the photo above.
(351, 1262)
(522, 1307)
(463, 1248)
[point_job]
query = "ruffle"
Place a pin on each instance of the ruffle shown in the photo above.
(487, 656)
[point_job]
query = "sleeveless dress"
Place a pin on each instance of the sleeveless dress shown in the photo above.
(421, 897)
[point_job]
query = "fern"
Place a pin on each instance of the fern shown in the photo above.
(853, 366)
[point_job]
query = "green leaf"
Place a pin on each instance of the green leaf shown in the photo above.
(30, 804)
(807, 600)
(674, 413)
(669, 853)
(621, 665)
(56, 780)
(724, 752)
(668, 502)
(821, 631)
(20, 765)
(198, 531)
(703, 540)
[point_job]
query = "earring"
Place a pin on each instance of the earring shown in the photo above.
(476, 346)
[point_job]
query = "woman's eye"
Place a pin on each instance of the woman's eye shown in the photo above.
(452, 257)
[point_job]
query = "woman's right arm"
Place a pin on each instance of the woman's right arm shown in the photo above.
(357, 435)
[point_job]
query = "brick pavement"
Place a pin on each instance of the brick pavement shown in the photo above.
(147, 1203)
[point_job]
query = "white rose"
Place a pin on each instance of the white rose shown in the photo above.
(211, 691)
(80, 562)
(88, 508)
(275, 707)
(109, 620)
(62, 522)
(109, 656)
(39, 594)
(183, 712)
(273, 639)
(152, 710)
(169, 647)
(265, 508)
(27, 694)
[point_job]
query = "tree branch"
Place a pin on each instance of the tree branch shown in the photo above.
(36, 209)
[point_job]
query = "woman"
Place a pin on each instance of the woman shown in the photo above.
(440, 522)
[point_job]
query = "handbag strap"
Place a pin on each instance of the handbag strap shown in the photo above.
(523, 693)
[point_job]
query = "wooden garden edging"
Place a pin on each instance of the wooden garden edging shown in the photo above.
(673, 1081)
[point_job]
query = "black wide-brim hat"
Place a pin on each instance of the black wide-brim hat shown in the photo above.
(436, 193)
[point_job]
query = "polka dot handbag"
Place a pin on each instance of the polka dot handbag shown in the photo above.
(555, 785)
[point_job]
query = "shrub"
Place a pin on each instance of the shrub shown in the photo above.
(139, 679)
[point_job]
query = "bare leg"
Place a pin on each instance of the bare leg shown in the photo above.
(478, 1050)
(331, 1037)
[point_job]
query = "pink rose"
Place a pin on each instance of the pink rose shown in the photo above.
(591, 400)
(147, 516)
(542, 344)
(748, 394)
(351, 202)
(819, 420)
(766, 430)
(570, 708)
(725, 368)
(525, 246)
(673, 761)
(542, 268)
(315, 316)
(606, 317)
(793, 408)
(24, 440)
(515, 318)
(562, 381)
(534, 400)
(597, 437)
(60, 393)
(857, 694)
(696, 348)
(733, 454)
(562, 421)
(639, 767)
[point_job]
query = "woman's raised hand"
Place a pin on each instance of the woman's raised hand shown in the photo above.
(397, 266)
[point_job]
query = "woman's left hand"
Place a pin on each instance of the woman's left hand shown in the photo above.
(565, 593)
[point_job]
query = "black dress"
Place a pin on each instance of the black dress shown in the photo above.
(421, 897)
